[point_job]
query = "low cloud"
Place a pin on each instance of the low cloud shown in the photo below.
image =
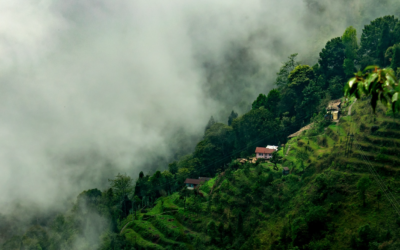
(92, 88)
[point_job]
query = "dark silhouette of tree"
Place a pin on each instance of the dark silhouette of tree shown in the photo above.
(232, 116)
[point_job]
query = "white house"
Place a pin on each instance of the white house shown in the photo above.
(264, 153)
(272, 147)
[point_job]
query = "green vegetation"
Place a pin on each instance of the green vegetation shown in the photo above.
(330, 199)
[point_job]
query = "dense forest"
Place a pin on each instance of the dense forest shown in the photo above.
(328, 201)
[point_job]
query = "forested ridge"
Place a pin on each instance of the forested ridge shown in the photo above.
(330, 199)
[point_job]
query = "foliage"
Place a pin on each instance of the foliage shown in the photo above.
(331, 59)
(210, 123)
(261, 101)
(381, 84)
(395, 60)
(286, 68)
(349, 40)
(372, 47)
(232, 116)
(275, 159)
(362, 186)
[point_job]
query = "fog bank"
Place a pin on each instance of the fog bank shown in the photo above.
(92, 88)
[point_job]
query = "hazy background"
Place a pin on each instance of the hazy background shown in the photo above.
(92, 88)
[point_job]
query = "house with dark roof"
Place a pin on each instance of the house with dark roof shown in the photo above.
(285, 171)
(193, 183)
(264, 153)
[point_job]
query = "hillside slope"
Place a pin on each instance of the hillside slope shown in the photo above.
(254, 207)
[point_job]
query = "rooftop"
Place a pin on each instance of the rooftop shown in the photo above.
(260, 150)
(193, 181)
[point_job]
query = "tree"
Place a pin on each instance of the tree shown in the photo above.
(212, 231)
(272, 101)
(362, 186)
(381, 84)
(331, 59)
(316, 219)
(286, 68)
(256, 124)
(302, 156)
(349, 40)
(261, 101)
(383, 44)
(209, 124)
(218, 142)
(300, 77)
(378, 197)
(371, 42)
(276, 158)
(395, 63)
(336, 87)
(311, 94)
(221, 231)
(365, 236)
(184, 193)
(173, 167)
(240, 223)
(232, 116)
(122, 185)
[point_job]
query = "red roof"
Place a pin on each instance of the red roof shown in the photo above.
(260, 150)
(193, 181)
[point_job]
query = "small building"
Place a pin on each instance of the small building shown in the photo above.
(272, 147)
(285, 171)
(333, 110)
(193, 183)
(265, 153)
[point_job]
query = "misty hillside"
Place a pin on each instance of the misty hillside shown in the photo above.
(129, 125)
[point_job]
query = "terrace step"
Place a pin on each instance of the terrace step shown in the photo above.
(172, 228)
(149, 232)
(381, 169)
(388, 133)
(135, 238)
(369, 147)
(382, 141)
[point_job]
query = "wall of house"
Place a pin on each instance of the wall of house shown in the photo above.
(263, 156)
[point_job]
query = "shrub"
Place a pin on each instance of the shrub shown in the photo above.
(322, 141)
(316, 219)
(363, 127)
(374, 129)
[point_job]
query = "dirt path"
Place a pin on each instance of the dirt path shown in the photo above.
(287, 152)
(125, 226)
(349, 113)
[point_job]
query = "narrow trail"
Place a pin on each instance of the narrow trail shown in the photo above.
(125, 226)
(349, 112)
(287, 152)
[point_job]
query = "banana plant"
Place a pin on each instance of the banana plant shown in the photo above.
(380, 84)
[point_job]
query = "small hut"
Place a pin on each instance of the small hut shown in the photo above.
(285, 171)
(333, 110)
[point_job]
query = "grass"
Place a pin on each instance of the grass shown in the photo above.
(136, 238)
(151, 233)
(296, 192)
(207, 186)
